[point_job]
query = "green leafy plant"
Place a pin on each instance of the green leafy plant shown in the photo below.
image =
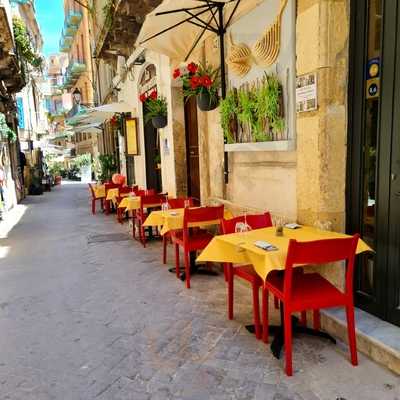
(154, 105)
(24, 44)
(83, 160)
(228, 109)
(108, 13)
(107, 167)
(6, 133)
(198, 79)
(258, 109)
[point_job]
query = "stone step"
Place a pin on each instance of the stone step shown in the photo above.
(377, 339)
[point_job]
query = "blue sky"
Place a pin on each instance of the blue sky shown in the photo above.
(50, 15)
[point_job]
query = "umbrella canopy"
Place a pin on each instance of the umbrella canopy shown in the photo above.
(88, 128)
(176, 27)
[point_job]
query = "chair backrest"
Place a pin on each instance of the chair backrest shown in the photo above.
(150, 200)
(109, 186)
(255, 221)
(125, 189)
(321, 252)
(180, 202)
(148, 192)
(201, 214)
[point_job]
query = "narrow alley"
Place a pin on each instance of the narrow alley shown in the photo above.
(87, 313)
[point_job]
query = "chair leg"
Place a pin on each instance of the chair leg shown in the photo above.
(93, 206)
(142, 234)
(107, 207)
(102, 204)
(256, 311)
(317, 320)
(265, 322)
(187, 269)
(230, 290)
(164, 239)
(288, 342)
(351, 329)
(177, 266)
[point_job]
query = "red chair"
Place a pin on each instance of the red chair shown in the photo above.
(109, 186)
(120, 211)
(146, 201)
(174, 204)
(94, 199)
(246, 272)
(311, 291)
(192, 240)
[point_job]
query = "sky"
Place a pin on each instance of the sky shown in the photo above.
(50, 15)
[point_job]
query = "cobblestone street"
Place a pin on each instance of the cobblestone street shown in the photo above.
(85, 316)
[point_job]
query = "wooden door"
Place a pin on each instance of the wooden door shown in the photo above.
(152, 152)
(192, 148)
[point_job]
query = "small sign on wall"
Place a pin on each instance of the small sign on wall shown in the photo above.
(306, 93)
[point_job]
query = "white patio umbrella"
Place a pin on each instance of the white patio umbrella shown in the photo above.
(98, 115)
(88, 128)
(176, 27)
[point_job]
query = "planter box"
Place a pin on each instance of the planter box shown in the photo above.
(279, 145)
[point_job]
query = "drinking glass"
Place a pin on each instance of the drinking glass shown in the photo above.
(186, 203)
(241, 228)
(165, 206)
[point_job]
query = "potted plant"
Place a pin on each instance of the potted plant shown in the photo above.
(201, 81)
(155, 109)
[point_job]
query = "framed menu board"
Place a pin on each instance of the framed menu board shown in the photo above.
(131, 137)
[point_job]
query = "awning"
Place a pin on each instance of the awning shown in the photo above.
(176, 27)
(98, 115)
(88, 128)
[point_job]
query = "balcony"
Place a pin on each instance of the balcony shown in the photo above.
(73, 18)
(77, 68)
(65, 42)
(126, 18)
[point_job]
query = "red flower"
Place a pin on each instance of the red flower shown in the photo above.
(143, 97)
(153, 95)
(192, 67)
(195, 82)
(177, 73)
(206, 81)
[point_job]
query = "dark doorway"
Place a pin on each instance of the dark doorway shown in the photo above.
(152, 152)
(374, 153)
(192, 148)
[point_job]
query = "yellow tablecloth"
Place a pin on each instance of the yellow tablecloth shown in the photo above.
(133, 203)
(99, 190)
(173, 220)
(239, 247)
(112, 195)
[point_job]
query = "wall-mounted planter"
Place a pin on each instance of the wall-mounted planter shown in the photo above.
(160, 121)
(206, 103)
(278, 145)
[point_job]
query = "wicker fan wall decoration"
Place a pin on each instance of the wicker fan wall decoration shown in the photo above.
(265, 50)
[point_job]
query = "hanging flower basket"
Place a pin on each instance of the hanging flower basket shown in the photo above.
(159, 121)
(205, 102)
(201, 81)
(155, 109)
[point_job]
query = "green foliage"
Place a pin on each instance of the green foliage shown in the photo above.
(6, 133)
(155, 107)
(228, 108)
(24, 45)
(83, 160)
(106, 166)
(108, 13)
(56, 168)
(257, 109)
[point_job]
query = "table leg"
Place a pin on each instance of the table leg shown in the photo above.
(278, 333)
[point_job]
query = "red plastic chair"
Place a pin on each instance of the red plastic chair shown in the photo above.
(311, 291)
(196, 239)
(174, 204)
(246, 272)
(109, 186)
(146, 201)
(94, 199)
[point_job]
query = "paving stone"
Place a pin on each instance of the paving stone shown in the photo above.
(107, 321)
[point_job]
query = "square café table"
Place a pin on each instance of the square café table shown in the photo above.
(239, 248)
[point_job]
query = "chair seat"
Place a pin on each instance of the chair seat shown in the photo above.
(248, 273)
(310, 291)
(197, 241)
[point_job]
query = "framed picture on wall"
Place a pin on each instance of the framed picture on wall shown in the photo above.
(132, 148)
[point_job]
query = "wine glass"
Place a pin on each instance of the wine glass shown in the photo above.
(186, 203)
(165, 206)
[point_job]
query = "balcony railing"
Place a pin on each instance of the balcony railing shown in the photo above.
(73, 18)
(71, 25)
(73, 72)
(65, 42)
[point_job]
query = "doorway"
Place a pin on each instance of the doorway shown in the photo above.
(152, 152)
(373, 187)
(192, 149)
